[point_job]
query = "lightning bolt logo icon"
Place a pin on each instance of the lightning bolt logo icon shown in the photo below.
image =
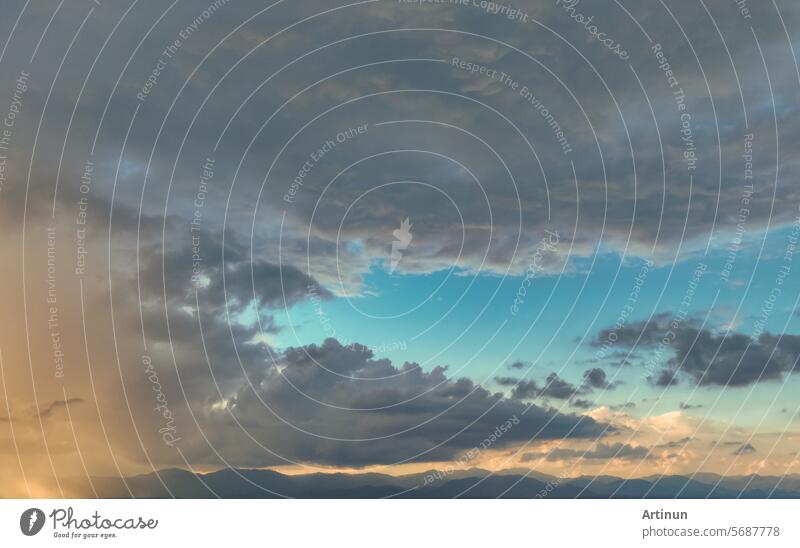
(31, 521)
(402, 240)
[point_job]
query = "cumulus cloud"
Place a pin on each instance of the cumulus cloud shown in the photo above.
(597, 378)
(709, 358)
(557, 388)
(339, 405)
(553, 387)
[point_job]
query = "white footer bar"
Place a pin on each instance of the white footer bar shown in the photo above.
(400, 523)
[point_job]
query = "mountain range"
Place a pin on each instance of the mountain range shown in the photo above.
(433, 484)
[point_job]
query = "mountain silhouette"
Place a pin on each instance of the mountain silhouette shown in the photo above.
(474, 483)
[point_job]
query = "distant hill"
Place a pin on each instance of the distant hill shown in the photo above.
(475, 483)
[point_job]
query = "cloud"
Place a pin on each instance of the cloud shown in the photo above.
(559, 389)
(314, 226)
(506, 381)
(710, 359)
(664, 378)
(596, 378)
(318, 230)
(356, 410)
(525, 390)
(49, 409)
(601, 451)
(231, 277)
(641, 334)
(553, 387)
(621, 406)
(745, 449)
(675, 444)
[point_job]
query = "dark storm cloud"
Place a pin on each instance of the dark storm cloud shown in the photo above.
(605, 167)
(712, 359)
(341, 394)
(209, 321)
(745, 449)
(227, 276)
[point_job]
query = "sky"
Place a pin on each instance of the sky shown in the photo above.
(363, 236)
